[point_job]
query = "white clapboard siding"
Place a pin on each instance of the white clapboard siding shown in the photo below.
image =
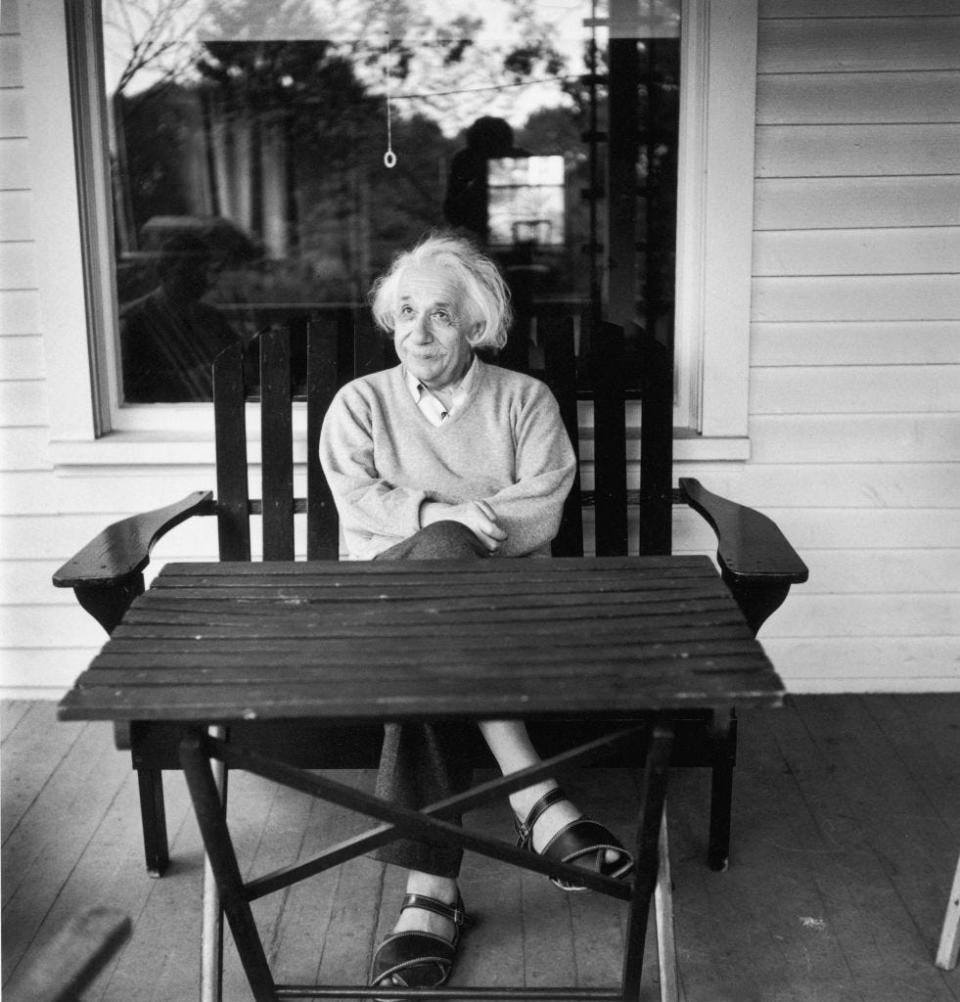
(890, 342)
(13, 118)
(855, 344)
(14, 157)
(858, 44)
(21, 357)
(45, 672)
(23, 402)
(906, 250)
(867, 664)
(19, 308)
(854, 389)
(867, 202)
(18, 266)
(16, 215)
(858, 98)
(770, 9)
(856, 297)
(11, 61)
(855, 438)
(856, 150)
(23, 449)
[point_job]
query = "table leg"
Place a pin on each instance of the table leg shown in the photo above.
(663, 905)
(652, 799)
(223, 861)
(211, 931)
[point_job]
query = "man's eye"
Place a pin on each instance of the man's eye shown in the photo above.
(441, 315)
(406, 312)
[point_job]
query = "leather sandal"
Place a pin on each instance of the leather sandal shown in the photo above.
(581, 839)
(418, 959)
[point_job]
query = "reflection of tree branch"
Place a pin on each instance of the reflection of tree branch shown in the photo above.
(166, 30)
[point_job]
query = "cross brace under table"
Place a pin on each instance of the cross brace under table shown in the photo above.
(199, 751)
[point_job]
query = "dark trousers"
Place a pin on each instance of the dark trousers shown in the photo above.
(421, 763)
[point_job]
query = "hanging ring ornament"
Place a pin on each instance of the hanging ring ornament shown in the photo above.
(389, 158)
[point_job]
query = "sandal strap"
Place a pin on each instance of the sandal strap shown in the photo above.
(579, 838)
(403, 951)
(455, 913)
(525, 827)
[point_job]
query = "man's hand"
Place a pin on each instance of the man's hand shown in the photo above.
(478, 516)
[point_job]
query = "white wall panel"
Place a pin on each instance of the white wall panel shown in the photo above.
(851, 44)
(855, 438)
(891, 342)
(868, 202)
(21, 357)
(23, 402)
(23, 449)
(856, 298)
(858, 98)
(855, 389)
(866, 664)
(856, 150)
(18, 265)
(19, 311)
(904, 251)
(16, 215)
(13, 119)
(854, 8)
(11, 61)
(14, 157)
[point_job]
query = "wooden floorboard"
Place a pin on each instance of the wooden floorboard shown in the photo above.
(846, 834)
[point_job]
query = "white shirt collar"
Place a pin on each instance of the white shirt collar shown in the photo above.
(432, 408)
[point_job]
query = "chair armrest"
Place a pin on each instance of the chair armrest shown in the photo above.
(756, 560)
(107, 574)
(123, 549)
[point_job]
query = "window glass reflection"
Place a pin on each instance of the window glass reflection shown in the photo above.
(248, 175)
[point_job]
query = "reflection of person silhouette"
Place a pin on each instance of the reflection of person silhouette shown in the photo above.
(467, 203)
(170, 337)
(467, 207)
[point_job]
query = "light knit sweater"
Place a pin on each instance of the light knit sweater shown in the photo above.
(505, 444)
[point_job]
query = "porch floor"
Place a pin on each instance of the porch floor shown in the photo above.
(846, 834)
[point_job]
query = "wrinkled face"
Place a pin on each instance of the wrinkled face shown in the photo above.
(431, 329)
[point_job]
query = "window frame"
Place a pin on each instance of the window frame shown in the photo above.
(72, 224)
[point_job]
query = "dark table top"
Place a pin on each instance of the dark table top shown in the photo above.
(361, 641)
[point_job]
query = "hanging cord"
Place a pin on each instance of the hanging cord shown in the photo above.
(389, 158)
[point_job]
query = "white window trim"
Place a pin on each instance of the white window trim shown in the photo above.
(715, 221)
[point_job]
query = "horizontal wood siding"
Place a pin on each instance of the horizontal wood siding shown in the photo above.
(855, 346)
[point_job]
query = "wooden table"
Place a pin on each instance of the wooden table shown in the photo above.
(601, 638)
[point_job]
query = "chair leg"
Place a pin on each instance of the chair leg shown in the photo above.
(154, 820)
(721, 798)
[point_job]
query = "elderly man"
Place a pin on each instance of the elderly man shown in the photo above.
(448, 457)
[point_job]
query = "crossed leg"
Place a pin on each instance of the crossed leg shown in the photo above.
(419, 765)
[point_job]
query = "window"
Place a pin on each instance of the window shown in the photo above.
(244, 178)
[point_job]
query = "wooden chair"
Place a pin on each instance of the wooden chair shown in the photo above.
(756, 561)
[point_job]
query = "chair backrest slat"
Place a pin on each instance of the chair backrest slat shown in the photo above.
(656, 445)
(233, 496)
(276, 445)
(560, 367)
(323, 360)
(610, 441)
